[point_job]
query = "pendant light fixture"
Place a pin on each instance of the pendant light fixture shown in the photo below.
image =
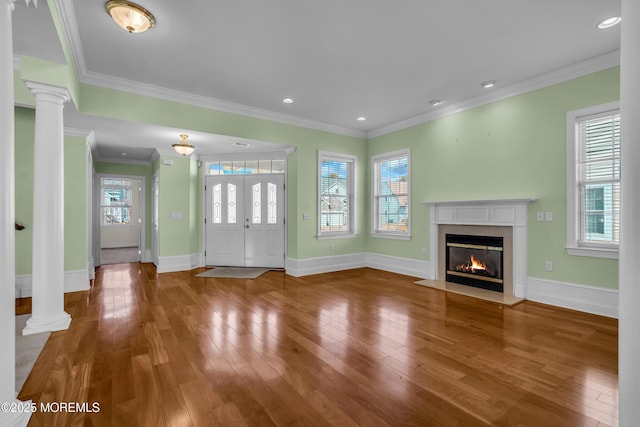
(130, 16)
(183, 147)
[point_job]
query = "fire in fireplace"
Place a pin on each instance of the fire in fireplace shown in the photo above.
(475, 261)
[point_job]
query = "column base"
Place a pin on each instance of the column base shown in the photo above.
(58, 322)
(18, 414)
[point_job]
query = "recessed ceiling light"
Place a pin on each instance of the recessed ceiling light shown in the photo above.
(435, 102)
(123, 154)
(361, 119)
(609, 22)
(288, 101)
(488, 84)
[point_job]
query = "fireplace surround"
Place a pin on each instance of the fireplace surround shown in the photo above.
(506, 218)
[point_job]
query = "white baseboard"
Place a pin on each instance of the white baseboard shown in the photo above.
(74, 281)
(169, 264)
(91, 269)
(589, 299)
(145, 255)
(307, 266)
(409, 267)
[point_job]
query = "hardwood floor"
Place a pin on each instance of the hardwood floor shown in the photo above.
(360, 347)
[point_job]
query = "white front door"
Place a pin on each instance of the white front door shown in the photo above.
(244, 217)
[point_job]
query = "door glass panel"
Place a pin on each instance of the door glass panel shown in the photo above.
(231, 204)
(277, 166)
(272, 203)
(264, 166)
(256, 195)
(251, 167)
(217, 204)
(226, 167)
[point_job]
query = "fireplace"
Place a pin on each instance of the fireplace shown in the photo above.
(474, 260)
(506, 218)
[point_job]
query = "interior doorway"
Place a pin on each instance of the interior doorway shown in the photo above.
(244, 220)
(120, 216)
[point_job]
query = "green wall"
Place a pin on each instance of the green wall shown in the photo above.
(75, 203)
(134, 170)
(177, 195)
(302, 165)
(512, 148)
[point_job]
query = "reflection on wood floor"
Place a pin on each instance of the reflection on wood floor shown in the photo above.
(359, 347)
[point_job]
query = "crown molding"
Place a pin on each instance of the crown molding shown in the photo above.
(81, 133)
(579, 69)
(124, 161)
(145, 89)
(67, 15)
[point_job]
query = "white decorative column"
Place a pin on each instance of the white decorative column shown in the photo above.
(48, 212)
(7, 228)
(628, 283)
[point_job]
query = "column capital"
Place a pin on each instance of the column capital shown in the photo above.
(53, 93)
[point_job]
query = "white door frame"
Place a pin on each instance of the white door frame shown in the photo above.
(155, 204)
(280, 155)
(142, 208)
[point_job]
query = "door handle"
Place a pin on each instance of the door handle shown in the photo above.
(246, 226)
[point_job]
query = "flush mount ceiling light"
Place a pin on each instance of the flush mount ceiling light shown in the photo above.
(130, 16)
(183, 147)
(241, 144)
(488, 84)
(288, 101)
(609, 22)
(435, 102)
(361, 119)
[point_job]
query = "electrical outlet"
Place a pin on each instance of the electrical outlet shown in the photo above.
(548, 266)
(540, 216)
(423, 251)
(331, 247)
(548, 216)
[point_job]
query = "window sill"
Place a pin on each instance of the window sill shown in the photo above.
(391, 236)
(593, 252)
(336, 236)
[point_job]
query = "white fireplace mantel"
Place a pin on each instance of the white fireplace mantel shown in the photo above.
(494, 212)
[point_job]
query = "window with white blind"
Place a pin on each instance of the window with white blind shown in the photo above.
(117, 202)
(336, 213)
(390, 196)
(593, 181)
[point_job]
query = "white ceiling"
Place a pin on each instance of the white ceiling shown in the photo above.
(338, 59)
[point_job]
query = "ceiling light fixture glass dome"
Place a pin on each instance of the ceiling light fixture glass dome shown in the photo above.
(183, 146)
(130, 16)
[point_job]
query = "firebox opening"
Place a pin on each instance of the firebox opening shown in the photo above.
(475, 261)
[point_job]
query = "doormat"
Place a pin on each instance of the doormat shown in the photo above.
(234, 272)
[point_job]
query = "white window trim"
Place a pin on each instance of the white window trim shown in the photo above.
(350, 234)
(573, 234)
(374, 183)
